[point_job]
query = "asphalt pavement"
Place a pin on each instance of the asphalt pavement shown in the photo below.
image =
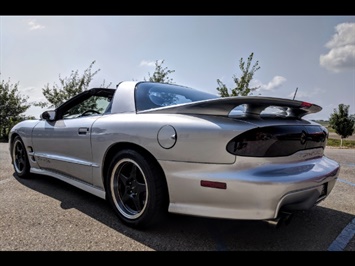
(45, 214)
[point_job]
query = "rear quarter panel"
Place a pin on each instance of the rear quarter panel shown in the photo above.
(198, 139)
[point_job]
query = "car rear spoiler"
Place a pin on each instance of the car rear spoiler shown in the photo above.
(253, 106)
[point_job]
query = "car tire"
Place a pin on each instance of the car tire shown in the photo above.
(20, 158)
(136, 189)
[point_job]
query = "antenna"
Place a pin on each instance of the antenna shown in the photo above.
(294, 96)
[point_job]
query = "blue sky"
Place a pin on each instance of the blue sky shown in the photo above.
(315, 54)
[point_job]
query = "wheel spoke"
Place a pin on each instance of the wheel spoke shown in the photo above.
(19, 153)
(140, 188)
(123, 187)
(137, 203)
(20, 164)
(125, 196)
(141, 192)
(133, 173)
(122, 180)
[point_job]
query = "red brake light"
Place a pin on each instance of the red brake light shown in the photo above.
(306, 104)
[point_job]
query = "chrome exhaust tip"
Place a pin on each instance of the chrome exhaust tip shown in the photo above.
(283, 218)
(275, 223)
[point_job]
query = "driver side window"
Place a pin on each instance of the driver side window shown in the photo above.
(95, 105)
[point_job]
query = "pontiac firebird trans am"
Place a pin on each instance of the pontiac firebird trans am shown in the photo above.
(151, 149)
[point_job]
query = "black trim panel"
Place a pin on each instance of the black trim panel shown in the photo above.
(274, 141)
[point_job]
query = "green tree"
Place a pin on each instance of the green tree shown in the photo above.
(12, 107)
(241, 84)
(69, 87)
(341, 122)
(161, 74)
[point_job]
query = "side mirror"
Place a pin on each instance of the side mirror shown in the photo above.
(48, 115)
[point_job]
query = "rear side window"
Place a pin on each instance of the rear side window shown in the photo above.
(155, 95)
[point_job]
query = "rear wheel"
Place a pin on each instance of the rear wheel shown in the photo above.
(136, 189)
(20, 158)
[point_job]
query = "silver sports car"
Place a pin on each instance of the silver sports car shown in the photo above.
(151, 149)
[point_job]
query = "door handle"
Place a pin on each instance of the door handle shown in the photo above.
(83, 130)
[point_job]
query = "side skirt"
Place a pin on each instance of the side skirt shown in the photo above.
(77, 183)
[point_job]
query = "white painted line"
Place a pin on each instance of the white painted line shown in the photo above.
(340, 243)
(346, 182)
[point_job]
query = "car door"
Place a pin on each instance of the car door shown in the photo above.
(64, 147)
(62, 144)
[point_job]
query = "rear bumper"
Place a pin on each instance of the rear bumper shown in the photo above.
(306, 198)
(254, 190)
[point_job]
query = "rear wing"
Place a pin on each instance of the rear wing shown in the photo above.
(253, 106)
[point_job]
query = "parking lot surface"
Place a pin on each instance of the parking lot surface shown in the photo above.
(45, 214)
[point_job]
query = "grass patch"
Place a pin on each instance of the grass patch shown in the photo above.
(330, 129)
(346, 143)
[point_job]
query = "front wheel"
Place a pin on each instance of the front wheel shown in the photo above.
(136, 189)
(20, 158)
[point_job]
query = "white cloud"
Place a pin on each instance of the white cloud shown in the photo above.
(341, 55)
(272, 85)
(34, 25)
(148, 63)
(34, 94)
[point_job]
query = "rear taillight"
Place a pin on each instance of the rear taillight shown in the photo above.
(276, 141)
(306, 105)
